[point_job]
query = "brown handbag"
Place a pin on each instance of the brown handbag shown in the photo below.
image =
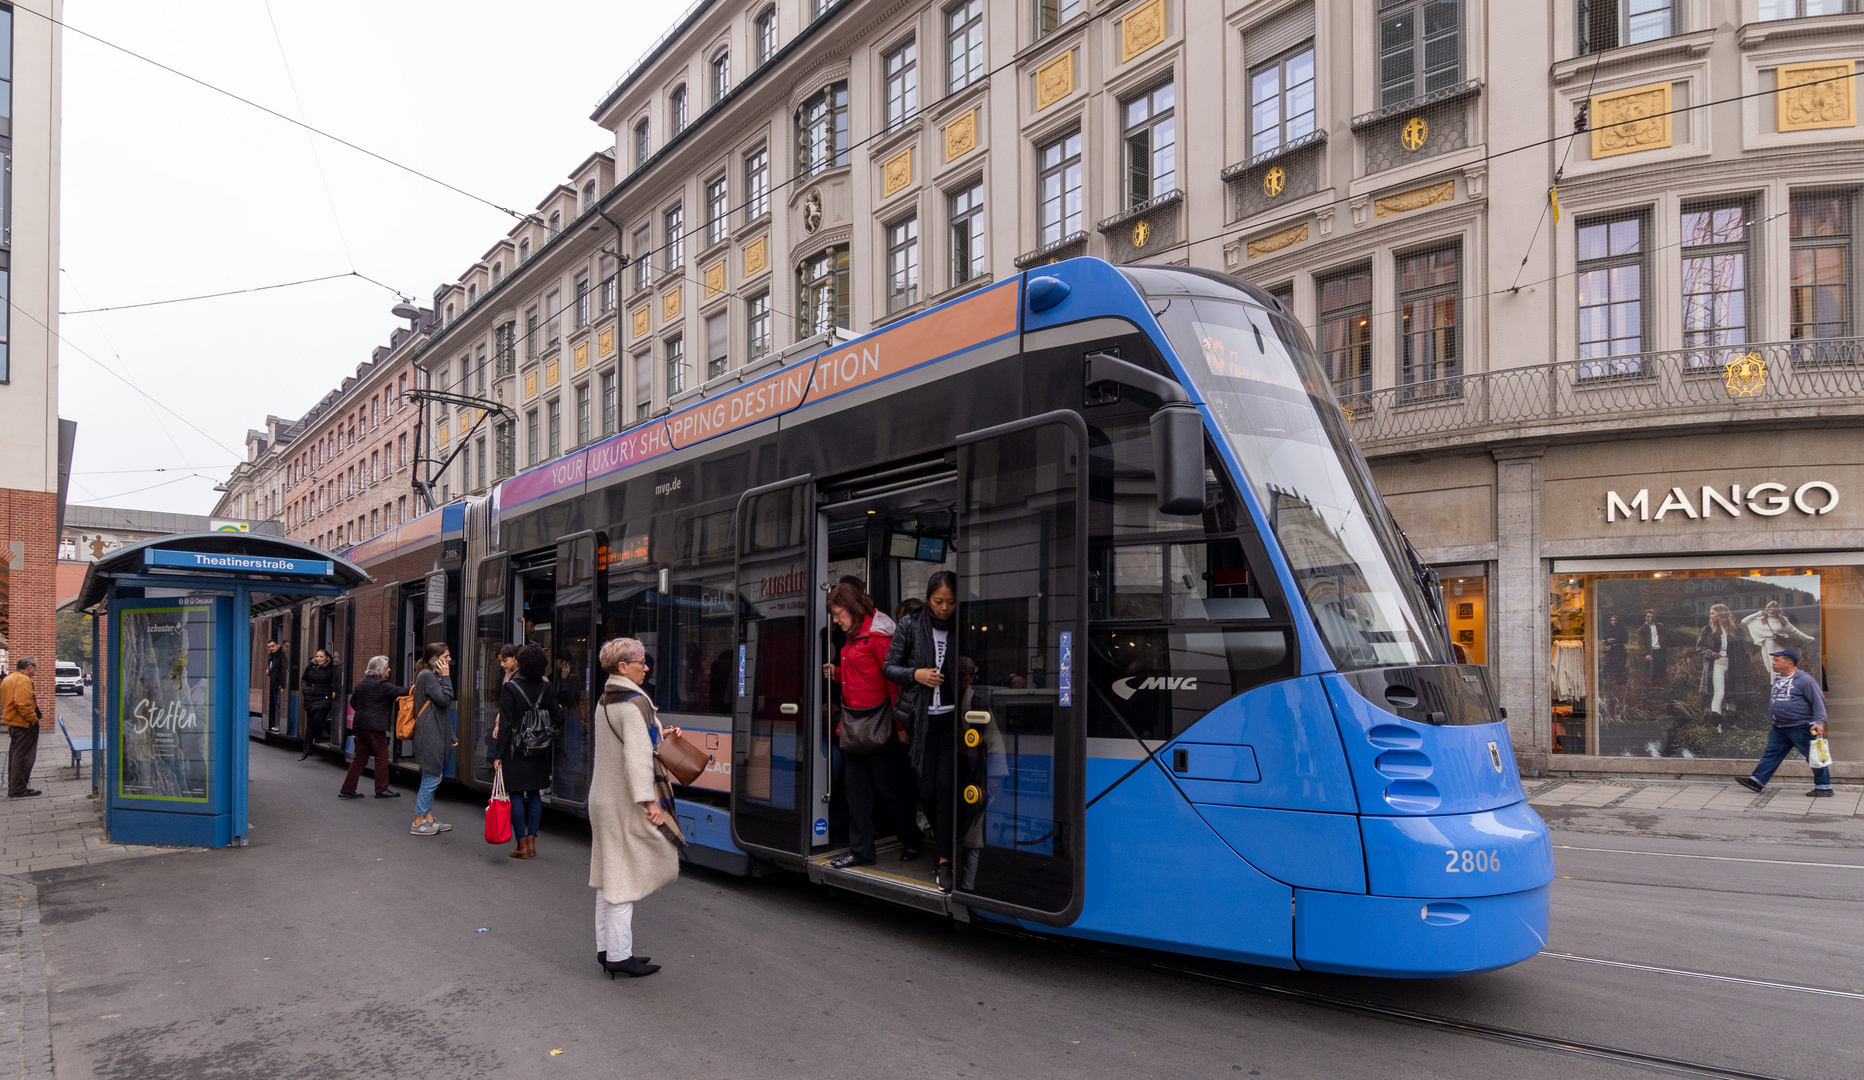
(684, 760)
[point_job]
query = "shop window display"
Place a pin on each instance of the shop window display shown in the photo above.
(1465, 603)
(1676, 663)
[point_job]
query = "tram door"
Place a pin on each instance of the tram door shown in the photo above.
(773, 737)
(570, 664)
(433, 614)
(491, 631)
(1021, 749)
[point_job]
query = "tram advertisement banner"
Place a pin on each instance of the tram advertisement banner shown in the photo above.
(1683, 661)
(164, 722)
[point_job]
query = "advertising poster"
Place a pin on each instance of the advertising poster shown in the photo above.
(165, 664)
(1684, 663)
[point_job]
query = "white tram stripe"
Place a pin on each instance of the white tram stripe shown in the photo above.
(1705, 975)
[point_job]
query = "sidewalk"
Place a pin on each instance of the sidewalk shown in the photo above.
(1671, 796)
(62, 828)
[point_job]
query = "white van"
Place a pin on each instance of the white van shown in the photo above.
(67, 677)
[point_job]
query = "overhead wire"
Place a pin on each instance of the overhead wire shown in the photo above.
(316, 159)
(231, 292)
(124, 364)
(338, 139)
(120, 378)
(1558, 173)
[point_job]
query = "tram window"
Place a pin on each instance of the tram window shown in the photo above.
(1210, 580)
(1154, 683)
(1123, 481)
(695, 669)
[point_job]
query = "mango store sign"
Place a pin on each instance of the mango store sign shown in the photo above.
(1814, 498)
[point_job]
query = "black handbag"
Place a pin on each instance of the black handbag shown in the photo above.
(866, 731)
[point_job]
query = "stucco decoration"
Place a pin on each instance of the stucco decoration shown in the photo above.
(1627, 121)
(961, 136)
(1415, 200)
(1276, 241)
(1142, 28)
(1055, 80)
(1815, 96)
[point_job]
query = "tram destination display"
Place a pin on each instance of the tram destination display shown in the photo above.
(164, 719)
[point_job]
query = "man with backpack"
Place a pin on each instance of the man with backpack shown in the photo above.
(529, 723)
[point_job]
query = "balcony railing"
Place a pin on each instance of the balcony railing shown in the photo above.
(1688, 385)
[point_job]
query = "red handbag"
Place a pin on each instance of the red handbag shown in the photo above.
(498, 813)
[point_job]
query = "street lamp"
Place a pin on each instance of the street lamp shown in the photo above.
(407, 310)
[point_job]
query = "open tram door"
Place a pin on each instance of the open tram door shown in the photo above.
(1021, 626)
(774, 810)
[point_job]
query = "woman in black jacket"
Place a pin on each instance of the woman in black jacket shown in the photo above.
(527, 773)
(317, 692)
(374, 702)
(922, 660)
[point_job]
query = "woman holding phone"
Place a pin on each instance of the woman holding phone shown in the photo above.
(433, 731)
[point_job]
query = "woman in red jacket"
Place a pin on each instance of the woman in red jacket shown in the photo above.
(865, 692)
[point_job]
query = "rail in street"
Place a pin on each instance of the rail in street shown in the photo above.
(337, 944)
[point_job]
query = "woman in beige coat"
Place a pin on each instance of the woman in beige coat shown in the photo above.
(632, 853)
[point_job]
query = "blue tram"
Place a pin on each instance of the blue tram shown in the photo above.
(1207, 700)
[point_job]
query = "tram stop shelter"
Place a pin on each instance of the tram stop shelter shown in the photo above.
(174, 685)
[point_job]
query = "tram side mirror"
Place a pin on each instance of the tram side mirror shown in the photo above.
(1178, 448)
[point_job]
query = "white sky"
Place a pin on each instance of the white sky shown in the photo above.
(171, 190)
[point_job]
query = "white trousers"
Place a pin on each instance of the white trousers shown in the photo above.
(1718, 679)
(614, 928)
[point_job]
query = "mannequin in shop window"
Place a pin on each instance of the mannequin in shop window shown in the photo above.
(1612, 650)
(1771, 630)
(1647, 645)
(1726, 661)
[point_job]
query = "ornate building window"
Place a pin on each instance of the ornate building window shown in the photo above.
(1611, 256)
(1821, 265)
(1346, 330)
(1429, 330)
(1058, 190)
(1715, 280)
(1420, 47)
(1151, 145)
(822, 284)
(822, 131)
(1281, 100)
(964, 45)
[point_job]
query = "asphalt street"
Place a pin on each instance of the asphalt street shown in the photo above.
(337, 945)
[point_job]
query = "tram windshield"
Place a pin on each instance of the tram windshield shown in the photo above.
(1258, 372)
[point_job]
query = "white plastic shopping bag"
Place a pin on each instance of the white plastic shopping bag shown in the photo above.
(1820, 753)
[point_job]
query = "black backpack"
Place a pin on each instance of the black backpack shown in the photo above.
(537, 728)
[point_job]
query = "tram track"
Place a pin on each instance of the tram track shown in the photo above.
(1415, 1018)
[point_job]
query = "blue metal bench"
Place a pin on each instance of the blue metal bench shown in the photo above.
(78, 747)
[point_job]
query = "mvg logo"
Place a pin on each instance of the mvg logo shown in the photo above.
(1126, 689)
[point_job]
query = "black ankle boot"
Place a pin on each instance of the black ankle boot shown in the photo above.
(633, 966)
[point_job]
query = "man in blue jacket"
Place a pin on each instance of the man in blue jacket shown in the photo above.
(1798, 711)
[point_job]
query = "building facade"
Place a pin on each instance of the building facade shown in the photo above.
(1582, 273)
(32, 453)
(343, 472)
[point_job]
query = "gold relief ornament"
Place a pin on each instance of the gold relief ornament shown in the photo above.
(1142, 29)
(1815, 96)
(1274, 181)
(1415, 134)
(961, 136)
(1631, 120)
(1745, 375)
(1142, 231)
(1055, 80)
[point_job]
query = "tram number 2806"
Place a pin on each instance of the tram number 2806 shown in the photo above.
(1472, 862)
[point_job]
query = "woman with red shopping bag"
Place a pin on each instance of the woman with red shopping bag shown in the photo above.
(498, 813)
